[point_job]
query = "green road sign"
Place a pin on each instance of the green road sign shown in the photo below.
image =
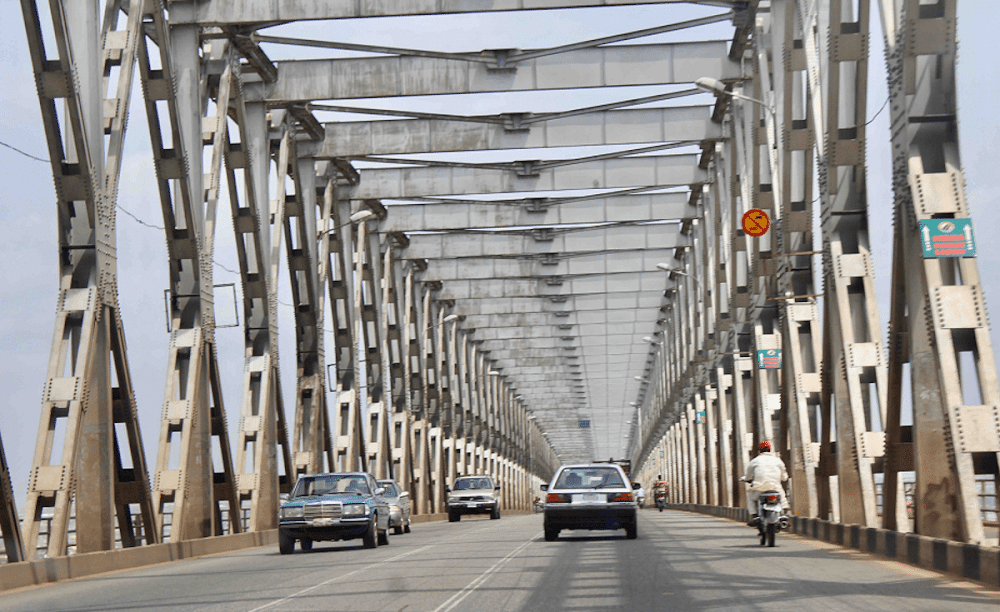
(947, 238)
(769, 359)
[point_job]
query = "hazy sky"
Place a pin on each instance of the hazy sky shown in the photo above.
(28, 214)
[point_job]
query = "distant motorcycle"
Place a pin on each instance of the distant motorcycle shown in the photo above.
(770, 518)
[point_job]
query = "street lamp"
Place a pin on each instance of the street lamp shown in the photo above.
(448, 319)
(666, 268)
(718, 88)
(358, 217)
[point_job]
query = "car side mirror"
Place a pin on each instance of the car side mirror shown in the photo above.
(283, 497)
(380, 491)
(636, 486)
(544, 487)
(447, 489)
(496, 488)
(404, 494)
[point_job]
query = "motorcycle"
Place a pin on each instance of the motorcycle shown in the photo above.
(660, 495)
(770, 517)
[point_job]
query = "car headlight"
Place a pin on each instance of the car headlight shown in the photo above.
(394, 509)
(355, 510)
(453, 498)
(292, 511)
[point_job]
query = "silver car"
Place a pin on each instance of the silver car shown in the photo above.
(473, 495)
(592, 496)
(399, 506)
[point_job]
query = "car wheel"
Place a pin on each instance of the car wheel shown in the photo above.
(306, 544)
(286, 543)
(370, 538)
(496, 512)
(383, 537)
(397, 530)
(632, 531)
(551, 535)
(453, 517)
(406, 527)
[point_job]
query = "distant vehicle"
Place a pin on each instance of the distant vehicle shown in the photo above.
(336, 506)
(660, 494)
(473, 495)
(591, 496)
(624, 464)
(399, 506)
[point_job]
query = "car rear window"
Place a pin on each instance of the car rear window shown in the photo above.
(589, 478)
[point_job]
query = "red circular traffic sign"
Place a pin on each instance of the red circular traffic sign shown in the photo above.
(756, 222)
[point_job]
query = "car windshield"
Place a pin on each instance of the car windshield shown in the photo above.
(330, 484)
(589, 478)
(464, 484)
(390, 489)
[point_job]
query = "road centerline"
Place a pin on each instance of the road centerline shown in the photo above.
(341, 577)
(459, 597)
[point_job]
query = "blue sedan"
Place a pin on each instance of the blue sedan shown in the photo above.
(337, 506)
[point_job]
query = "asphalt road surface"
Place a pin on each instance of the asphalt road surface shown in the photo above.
(680, 562)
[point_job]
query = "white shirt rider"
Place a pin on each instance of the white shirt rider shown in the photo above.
(765, 472)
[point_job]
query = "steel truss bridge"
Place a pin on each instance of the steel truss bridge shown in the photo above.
(489, 281)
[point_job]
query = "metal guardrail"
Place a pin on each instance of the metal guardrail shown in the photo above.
(46, 529)
(986, 489)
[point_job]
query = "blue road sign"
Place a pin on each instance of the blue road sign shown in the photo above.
(584, 424)
(769, 359)
(947, 238)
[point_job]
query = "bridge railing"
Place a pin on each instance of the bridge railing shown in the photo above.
(46, 529)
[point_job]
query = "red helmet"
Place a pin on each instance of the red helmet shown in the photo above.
(765, 446)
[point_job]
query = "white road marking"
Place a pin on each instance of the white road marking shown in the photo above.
(341, 577)
(457, 598)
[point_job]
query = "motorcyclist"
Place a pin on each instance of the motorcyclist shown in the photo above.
(765, 472)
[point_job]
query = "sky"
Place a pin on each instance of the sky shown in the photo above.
(27, 211)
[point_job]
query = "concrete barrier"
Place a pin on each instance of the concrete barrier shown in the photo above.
(968, 561)
(43, 571)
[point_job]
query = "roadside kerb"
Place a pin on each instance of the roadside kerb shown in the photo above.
(967, 561)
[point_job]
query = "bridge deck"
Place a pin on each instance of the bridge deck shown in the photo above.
(681, 561)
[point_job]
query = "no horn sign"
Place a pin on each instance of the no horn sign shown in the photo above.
(756, 222)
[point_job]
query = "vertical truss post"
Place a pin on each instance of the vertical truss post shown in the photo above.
(374, 336)
(307, 285)
(261, 422)
(855, 351)
(397, 349)
(88, 382)
(415, 372)
(944, 304)
(10, 522)
(347, 431)
(364, 313)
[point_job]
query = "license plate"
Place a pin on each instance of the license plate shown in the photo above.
(589, 498)
(322, 522)
(770, 508)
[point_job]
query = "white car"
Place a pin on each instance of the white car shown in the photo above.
(591, 496)
(473, 495)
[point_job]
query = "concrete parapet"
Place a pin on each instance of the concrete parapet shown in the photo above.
(42, 571)
(958, 559)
